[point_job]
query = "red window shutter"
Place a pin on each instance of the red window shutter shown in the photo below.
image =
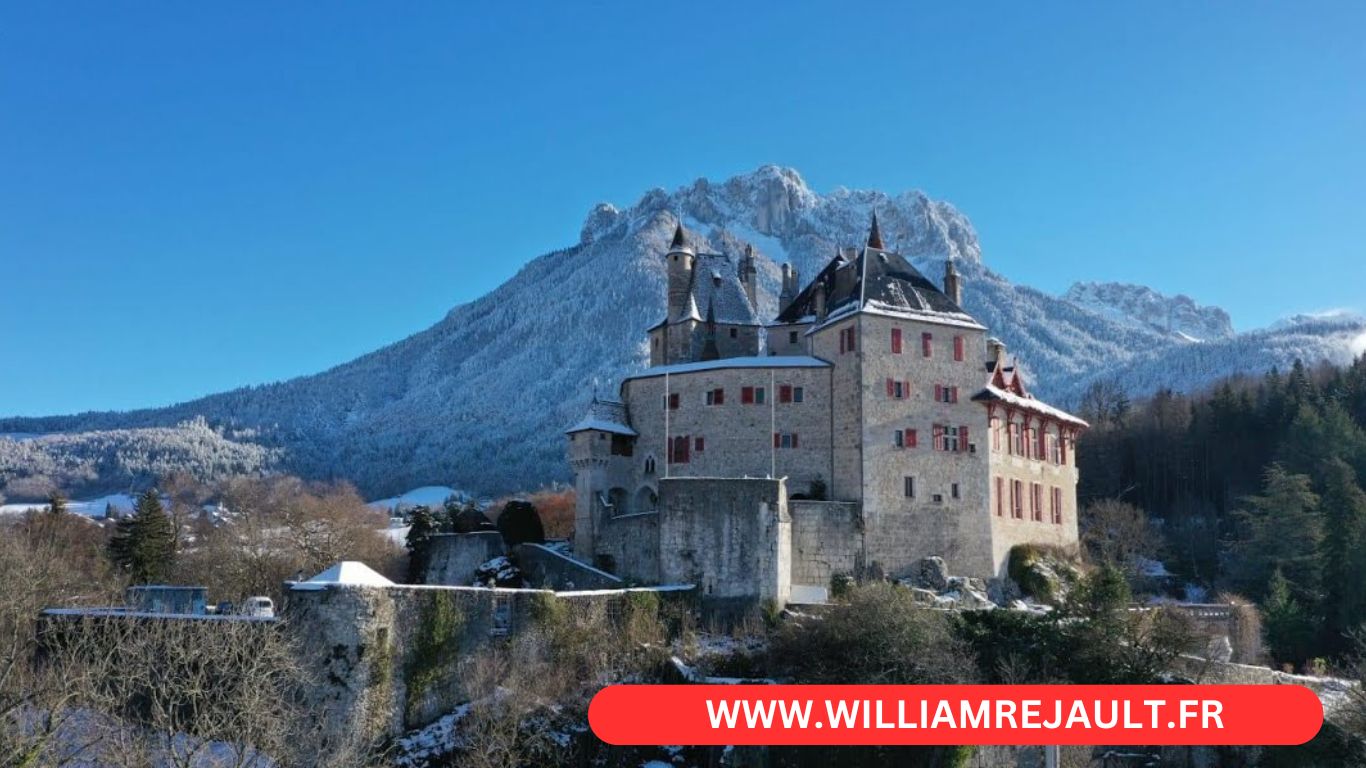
(938, 393)
(720, 397)
(926, 343)
(958, 348)
(794, 439)
(777, 440)
(906, 389)
(938, 437)
(910, 438)
(698, 444)
(1062, 448)
(1000, 503)
(896, 341)
(963, 439)
(747, 395)
(953, 394)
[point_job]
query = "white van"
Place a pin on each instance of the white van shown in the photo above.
(260, 607)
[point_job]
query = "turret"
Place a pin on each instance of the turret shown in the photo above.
(680, 265)
(875, 235)
(952, 285)
(749, 276)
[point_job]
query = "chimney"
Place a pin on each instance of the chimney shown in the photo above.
(996, 349)
(819, 301)
(952, 284)
(788, 292)
(749, 276)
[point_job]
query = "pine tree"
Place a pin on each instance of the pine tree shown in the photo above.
(143, 544)
(422, 526)
(1289, 628)
(1344, 567)
(56, 503)
(1280, 530)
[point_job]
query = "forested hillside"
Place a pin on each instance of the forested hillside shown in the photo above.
(1256, 488)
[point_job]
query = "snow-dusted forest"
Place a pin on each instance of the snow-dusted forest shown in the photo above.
(480, 399)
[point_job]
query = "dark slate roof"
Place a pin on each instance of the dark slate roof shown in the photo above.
(605, 416)
(716, 284)
(873, 279)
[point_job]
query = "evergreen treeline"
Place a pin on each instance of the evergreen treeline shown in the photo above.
(1256, 486)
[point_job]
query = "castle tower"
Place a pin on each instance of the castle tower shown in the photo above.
(953, 286)
(680, 265)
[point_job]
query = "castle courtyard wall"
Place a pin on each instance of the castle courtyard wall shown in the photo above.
(731, 538)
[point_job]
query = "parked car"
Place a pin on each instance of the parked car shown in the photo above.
(260, 607)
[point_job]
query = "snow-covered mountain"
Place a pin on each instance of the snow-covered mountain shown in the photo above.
(1177, 315)
(480, 399)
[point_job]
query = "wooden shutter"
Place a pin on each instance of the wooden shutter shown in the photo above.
(896, 341)
(926, 343)
(958, 348)
(963, 439)
(938, 437)
(939, 393)
(794, 439)
(889, 388)
(910, 438)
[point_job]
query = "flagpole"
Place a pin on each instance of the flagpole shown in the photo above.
(668, 444)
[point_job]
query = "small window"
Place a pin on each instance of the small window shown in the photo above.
(502, 616)
(1017, 499)
(734, 333)
(747, 395)
(672, 401)
(791, 337)
(649, 465)
(899, 438)
(785, 440)
(785, 393)
(798, 394)
(716, 397)
(759, 396)
(908, 486)
(953, 491)
(698, 444)
(938, 498)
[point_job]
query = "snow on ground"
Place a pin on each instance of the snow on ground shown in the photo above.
(121, 502)
(437, 739)
(428, 496)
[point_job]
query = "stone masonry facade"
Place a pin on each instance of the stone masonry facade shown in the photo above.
(872, 423)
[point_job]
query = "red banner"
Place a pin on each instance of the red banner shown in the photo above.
(955, 714)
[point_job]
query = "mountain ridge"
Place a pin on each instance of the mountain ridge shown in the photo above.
(478, 399)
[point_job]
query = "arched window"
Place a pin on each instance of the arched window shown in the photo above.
(649, 465)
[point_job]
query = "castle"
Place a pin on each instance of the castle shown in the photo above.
(872, 423)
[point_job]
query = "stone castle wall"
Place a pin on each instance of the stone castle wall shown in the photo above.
(454, 557)
(737, 437)
(385, 659)
(731, 538)
(902, 529)
(628, 546)
(827, 541)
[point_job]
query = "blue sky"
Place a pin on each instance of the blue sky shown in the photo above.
(197, 198)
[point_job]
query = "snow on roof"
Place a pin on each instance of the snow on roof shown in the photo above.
(723, 293)
(605, 416)
(346, 573)
(759, 361)
(1028, 403)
